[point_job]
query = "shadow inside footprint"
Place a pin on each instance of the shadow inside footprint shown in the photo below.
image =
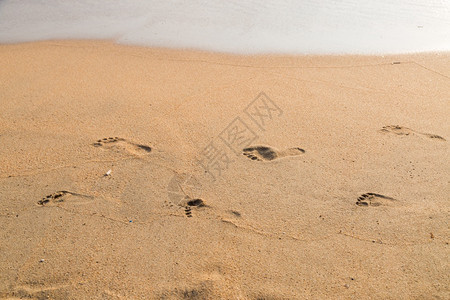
(265, 153)
(196, 202)
(373, 199)
(235, 213)
(144, 147)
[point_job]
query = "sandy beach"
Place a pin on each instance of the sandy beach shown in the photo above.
(129, 172)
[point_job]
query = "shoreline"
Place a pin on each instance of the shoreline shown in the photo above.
(84, 43)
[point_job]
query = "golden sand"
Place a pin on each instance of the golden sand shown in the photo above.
(138, 173)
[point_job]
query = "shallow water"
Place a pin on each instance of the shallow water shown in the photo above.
(277, 26)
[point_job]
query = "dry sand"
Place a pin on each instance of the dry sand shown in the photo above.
(293, 220)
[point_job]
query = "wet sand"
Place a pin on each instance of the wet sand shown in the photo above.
(137, 173)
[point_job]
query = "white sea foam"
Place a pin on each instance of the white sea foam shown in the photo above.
(277, 26)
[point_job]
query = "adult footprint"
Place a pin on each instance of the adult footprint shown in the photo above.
(372, 199)
(63, 196)
(121, 144)
(265, 153)
(400, 130)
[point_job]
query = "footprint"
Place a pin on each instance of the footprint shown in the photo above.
(38, 292)
(265, 153)
(118, 144)
(372, 199)
(190, 204)
(61, 196)
(203, 291)
(400, 130)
